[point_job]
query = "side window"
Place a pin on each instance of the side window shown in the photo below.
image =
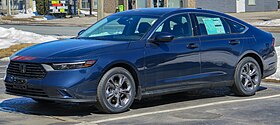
(179, 26)
(211, 25)
(235, 27)
(144, 21)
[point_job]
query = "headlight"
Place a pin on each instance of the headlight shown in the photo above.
(76, 65)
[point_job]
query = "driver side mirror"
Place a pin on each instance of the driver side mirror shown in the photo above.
(166, 37)
(82, 31)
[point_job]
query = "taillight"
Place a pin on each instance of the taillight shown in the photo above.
(273, 42)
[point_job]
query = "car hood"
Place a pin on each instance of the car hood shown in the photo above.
(71, 48)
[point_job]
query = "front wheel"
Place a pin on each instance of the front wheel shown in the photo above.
(116, 91)
(247, 77)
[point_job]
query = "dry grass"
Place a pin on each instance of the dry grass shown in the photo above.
(271, 80)
(16, 19)
(12, 49)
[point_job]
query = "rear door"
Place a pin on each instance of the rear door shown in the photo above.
(219, 49)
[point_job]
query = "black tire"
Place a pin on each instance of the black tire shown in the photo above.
(113, 97)
(41, 101)
(245, 75)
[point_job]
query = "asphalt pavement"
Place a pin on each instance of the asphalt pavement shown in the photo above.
(197, 107)
(48, 30)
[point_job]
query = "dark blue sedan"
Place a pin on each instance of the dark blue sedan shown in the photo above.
(144, 52)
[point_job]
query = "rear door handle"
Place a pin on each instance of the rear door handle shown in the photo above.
(192, 46)
(234, 42)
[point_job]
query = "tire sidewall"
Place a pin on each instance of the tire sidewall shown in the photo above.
(237, 83)
(101, 98)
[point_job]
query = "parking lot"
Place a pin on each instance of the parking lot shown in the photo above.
(204, 106)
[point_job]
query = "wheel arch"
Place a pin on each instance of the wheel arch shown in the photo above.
(132, 69)
(254, 55)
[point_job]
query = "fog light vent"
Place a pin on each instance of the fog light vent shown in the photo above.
(65, 94)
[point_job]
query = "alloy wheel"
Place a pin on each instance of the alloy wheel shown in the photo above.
(249, 76)
(118, 91)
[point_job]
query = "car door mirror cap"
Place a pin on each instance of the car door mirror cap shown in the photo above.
(82, 31)
(164, 37)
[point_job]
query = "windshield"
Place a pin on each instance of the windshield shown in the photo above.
(120, 28)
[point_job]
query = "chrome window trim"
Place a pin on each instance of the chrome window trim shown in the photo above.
(243, 32)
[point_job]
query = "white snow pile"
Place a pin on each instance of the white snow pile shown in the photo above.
(34, 15)
(276, 75)
(87, 13)
(29, 14)
(275, 22)
(12, 36)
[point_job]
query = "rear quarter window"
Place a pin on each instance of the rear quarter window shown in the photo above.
(235, 27)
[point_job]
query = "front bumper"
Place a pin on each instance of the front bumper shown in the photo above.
(56, 99)
(77, 85)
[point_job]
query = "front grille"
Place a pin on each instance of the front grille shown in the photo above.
(31, 70)
(26, 91)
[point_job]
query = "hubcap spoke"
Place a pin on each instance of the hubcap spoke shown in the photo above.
(122, 103)
(111, 83)
(125, 91)
(253, 82)
(118, 101)
(253, 72)
(121, 80)
(243, 75)
(246, 83)
(247, 68)
(110, 96)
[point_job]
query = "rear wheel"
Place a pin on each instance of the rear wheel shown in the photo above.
(247, 77)
(116, 91)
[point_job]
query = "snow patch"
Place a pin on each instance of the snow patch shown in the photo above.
(87, 13)
(12, 36)
(275, 22)
(29, 14)
(6, 59)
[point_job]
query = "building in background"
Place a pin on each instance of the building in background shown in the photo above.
(218, 5)
(16, 5)
(110, 6)
(238, 5)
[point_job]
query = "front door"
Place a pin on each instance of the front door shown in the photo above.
(171, 64)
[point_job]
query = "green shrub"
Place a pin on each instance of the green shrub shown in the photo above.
(42, 6)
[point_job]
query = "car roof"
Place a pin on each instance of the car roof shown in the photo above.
(148, 11)
(161, 11)
(158, 12)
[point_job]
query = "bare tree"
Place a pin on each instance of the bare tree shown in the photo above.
(9, 8)
(100, 9)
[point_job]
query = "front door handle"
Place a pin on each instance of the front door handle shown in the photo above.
(234, 42)
(192, 46)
